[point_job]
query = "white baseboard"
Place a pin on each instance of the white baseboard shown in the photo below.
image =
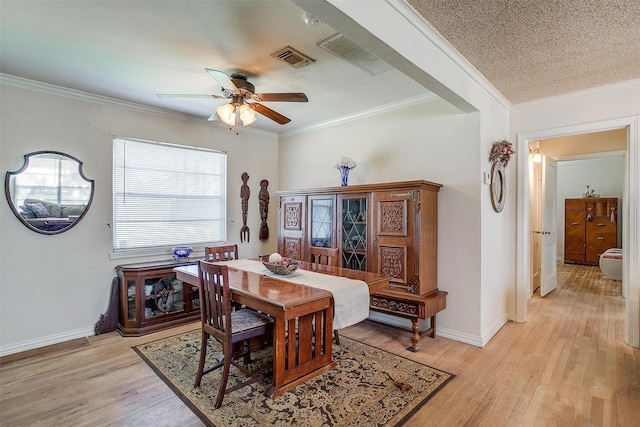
(424, 324)
(45, 341)
(487, 337)
(399, 322)
(473, 340)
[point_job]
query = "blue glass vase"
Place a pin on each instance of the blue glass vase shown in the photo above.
(344, 175)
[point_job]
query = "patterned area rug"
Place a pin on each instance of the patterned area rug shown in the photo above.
(367, 387)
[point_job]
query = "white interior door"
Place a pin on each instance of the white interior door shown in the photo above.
(548, 267)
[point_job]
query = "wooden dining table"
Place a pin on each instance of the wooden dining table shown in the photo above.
(303, 317)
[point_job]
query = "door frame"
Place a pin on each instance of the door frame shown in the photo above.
(630, 219)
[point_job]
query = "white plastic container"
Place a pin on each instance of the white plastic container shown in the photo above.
(611, 263)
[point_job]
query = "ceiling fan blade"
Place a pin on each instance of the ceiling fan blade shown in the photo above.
(223, 79)
(282, 97)
(188, 95)
(268, 112)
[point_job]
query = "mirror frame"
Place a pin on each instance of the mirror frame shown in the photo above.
(14, 209)
(497, 187)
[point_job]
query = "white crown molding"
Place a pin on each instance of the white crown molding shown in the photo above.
(65, 92)
(397, 105)
(93, 98)
(431, 34)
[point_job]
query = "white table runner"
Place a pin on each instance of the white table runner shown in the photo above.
(350, 297)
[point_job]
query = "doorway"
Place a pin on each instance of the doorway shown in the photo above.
(594, 160)
(631, 217)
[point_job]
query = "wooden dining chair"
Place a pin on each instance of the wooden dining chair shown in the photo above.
(228, 326)
(220, 253)
(325, 256)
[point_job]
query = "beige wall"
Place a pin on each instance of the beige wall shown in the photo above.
(53, 288)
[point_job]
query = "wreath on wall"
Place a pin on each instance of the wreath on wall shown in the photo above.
(501, 151)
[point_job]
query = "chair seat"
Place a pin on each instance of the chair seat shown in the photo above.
(245, 319)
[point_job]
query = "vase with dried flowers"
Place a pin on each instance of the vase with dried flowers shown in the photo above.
(344, 165)
(501, 151)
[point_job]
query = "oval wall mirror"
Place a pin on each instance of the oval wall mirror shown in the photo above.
(497, 186)
(49, 194)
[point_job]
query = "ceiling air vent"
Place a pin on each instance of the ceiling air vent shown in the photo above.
(344, 48)
(292, 57)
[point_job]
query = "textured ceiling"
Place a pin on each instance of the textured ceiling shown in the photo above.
(530, 49)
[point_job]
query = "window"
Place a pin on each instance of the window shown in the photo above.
(167, 195)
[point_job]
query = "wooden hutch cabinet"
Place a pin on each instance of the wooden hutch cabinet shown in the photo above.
(590, 228)
(151, 298)
(388, 228)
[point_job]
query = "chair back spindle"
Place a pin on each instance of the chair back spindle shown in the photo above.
(323, 256)
(220, 253)
(216, 307)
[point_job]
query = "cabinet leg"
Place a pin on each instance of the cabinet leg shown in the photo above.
(415, 336)
(432, 329)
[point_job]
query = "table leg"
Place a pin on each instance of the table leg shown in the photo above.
(415, 337)
(302, 349)
(279, 356)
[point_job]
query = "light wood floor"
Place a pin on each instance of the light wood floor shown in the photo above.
(567, 366)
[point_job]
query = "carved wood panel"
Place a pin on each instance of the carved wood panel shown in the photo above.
(394, 305)
(291, 235)
(292, 216)
(292, 248)
(393, 218)
(393, 262)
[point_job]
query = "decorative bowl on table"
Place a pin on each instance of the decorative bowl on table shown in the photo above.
(181, 252)
(284, 267)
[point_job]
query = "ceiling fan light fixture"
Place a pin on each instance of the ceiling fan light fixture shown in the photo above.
(247, 115)
(227, 113)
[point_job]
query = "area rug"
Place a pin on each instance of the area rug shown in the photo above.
(368, 387)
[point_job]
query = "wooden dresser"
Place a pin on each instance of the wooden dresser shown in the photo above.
(590, 228)
(388, 228)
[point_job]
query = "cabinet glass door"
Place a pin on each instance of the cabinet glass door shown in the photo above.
(162, 296)
(131, 300)
(321, 212)
(354, 233)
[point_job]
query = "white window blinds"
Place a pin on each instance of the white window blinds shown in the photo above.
(167, 195)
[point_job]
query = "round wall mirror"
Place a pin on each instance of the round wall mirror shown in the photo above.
(49, 194)
(497, 186)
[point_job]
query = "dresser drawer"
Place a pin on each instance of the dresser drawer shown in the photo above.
(601, 226)
(599, 243)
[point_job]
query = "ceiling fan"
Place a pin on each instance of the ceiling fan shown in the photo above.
(244, 100)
